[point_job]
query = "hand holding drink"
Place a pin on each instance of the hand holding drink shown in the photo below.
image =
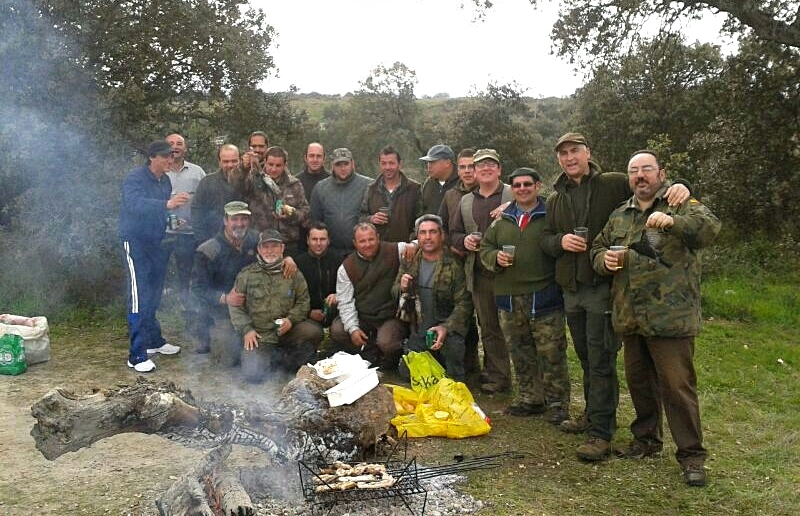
(614, 258)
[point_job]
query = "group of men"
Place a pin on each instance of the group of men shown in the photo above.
(383, 262)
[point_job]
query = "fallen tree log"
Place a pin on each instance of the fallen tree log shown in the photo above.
(300, 420)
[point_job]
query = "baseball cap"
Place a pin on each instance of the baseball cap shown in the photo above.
(270, 235)
(236, 208)
(341, 154)
(572, 138)
(438, 152)
(159, 148)
(525, 171)
(482, 154)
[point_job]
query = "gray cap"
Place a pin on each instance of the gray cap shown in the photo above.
(438, 152)
(341, 154)
(482, 154)
(237, 208)
(270, 235)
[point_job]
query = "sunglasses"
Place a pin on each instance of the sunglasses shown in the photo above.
(526, 184)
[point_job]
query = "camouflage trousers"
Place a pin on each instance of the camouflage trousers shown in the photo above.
(538, 349)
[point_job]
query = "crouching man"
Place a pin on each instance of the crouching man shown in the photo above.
(272, 320)
(436, 278)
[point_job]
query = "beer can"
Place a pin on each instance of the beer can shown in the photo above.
(172, 220)
(430, 338)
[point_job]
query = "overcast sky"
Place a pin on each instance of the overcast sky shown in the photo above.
(329, 46)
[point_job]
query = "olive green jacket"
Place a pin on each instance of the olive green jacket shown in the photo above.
(657, 292)
(268, 296)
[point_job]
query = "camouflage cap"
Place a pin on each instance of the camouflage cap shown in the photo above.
(236, 208)
(270, 235)
(482, 154)
(340, 155)
(159, 148)
(438, 152)
(572, 138)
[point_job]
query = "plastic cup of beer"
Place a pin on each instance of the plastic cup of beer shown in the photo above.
(477, 235)
(510, 250)
(582, 232)
(385, 211)
(620, 251)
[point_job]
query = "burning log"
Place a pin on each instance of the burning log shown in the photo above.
(301, 419)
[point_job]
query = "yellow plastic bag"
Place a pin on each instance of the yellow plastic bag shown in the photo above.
(425, 370)
(447, 409)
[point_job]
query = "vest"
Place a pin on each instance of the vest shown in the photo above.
(372, 283)
(470, 225)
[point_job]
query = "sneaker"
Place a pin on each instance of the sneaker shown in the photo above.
(694, 475)
(638, 449)
(143, 367)
(166, 349)
(556, 414)
(523, 409)
(593, 449)
(575, 426)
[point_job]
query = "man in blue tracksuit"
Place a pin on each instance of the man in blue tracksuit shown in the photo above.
(142, 224)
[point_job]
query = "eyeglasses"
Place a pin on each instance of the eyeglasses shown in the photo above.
(487, 163)
(526, 184)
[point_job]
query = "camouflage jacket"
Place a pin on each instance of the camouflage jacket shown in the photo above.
(268, 296)
(657, 292)
(453, 302)
(263, 203)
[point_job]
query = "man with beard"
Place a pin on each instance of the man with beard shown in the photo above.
(391, 201)
(436, 277)
(584, 197)
(277, 200)
(276, 334)
(146, 199)
(216, 264)
(366, 322)
(336, 201)
(257, 145)
(656, 308)
(185, 177)
(319, 267)
(215, 191)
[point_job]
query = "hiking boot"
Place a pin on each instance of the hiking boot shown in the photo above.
(143, 367)
(166, 349)
(493, 388)
(694, 475)
(575, 426)
(556, 414)
(523, 409)
(638, 449)
(593, 449)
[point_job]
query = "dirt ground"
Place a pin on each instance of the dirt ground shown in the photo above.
(119, 475)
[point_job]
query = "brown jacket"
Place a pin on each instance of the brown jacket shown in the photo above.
(403, 204)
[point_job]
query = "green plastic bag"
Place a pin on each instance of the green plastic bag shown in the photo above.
(12, 355)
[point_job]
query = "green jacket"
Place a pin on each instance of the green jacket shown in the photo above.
(533, 270)
(268, 296)
(606, 191)
(453, 302)
(657, 296)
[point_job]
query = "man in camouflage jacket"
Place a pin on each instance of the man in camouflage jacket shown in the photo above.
(656, 308)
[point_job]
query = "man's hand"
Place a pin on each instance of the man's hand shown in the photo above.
(177, 200)
(234, 298)
(472, 243)
(379, 218)
(410, 251)
(316, 315)
(251, 340)
(660, 220)
(441, 336)
(573, 243)
(676, 194)
(331, 299)
(495, 213)
(504, 259)
(289, 267)
(358, 338)
(286, 326)
(405, 280)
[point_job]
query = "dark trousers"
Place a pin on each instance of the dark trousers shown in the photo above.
(182, 246)
(145, 267)
(589, 321)
(294, 349)
(450, 355)
(384, 345)
(496, 361)
(660, 373)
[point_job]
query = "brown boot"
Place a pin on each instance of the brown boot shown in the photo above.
(593, 449)
(575, 426)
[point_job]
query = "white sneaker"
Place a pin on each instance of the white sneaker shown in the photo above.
(143, 367)
(166, 349)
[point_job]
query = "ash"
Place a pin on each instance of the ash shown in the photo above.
(276, 492)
